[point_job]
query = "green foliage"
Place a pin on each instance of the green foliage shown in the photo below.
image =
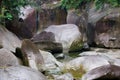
(100, 3)
(10, 7)
(69, 4)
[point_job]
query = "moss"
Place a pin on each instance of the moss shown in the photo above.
(76, 46)
(77, 73)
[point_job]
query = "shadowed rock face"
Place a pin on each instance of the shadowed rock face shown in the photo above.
(50, 46)
(65, 34)
(80, 19)
(32, 56)
(31, 22)
(23, 26)
(43, 36)
(106, 72)
(51, 16)
(106, 26)
(107, 33)
(55, 35)
(46, 41)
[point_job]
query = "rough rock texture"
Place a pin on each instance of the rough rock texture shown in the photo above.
(51, 63)
(106, 25)
(32, 21)
(32, 56)
(80, 19)
(107, 30)
(66, 76)
(7, 58)
(43, 36)
(46, 41)
(49, 46)
(81, 65)
(52, 14)
(106, 72)
(23, 26)
(65, 34)
(8, 40)
(20, 73)
(110, 53)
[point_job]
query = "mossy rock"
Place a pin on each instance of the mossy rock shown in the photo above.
(76, 72)
(76, 46)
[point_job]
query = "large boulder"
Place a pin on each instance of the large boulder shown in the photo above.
(31, 20)
(52, 14)
(110, 53)
(108, 30)
(50, 62)
(7, 58)
(79, 66)
(31, 55)
(79, 18)
(43, 36)
(46, 41)
(106, 72)
(49, 46)
(20, 73)
(105, 23)
(65, 34)
(52, 66)
(8, 40)
(24, 25)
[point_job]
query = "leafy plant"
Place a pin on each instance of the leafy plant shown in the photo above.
(70, 4)
(9, 8)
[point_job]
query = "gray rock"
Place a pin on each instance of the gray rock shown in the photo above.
(20, 73)
(87, 62)
(79, 18)
(7, 58)
(106, 26)
(31, 55)
(106, 72)
(23, 26)
(110, 53)
(50, 46)
(59, 56)
(46, 41)
(66, 76)
(79, 66)
(49, 15)
(8, 40)
(43, 36)
(50, 61)
(65, 34)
